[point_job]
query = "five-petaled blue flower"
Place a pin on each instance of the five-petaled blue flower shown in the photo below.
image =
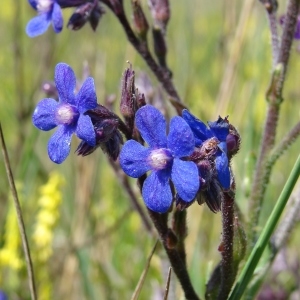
(48, 11)
(218, 131)
(162, 158)
(67, 114)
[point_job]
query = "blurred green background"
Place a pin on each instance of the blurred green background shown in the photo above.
(98, 242)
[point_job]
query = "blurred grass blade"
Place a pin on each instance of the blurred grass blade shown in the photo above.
(168, 284)
(140, 284)
(264, 238)
(19, 217)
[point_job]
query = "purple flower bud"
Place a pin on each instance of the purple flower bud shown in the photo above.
(128, 105)
(87, 12)
(139, 20)
(106, 130)
(160, 11)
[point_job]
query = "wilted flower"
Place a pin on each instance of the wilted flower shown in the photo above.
(68, 114)
(162, 158)
(48, 11)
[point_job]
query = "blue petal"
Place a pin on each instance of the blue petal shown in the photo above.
(60, 143)
(38, 25)
(152, 126)
(185, 178)
(223, 173)
(157, 192)
(85, 130)
(44, 114)
(181, 138)
(133, 159)
(220, 129)
(57, 18)
(65, 82)
(86, 97)
(33, 3)
(200, 130)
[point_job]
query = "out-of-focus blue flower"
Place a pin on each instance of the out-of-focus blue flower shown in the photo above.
(68, 114)
(48, 11)
(162, 158)
(3, 296)
(216, 132)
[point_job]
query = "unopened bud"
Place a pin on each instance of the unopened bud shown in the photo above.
(233, 141)
(160, 11)
(86, 12)
(140, 22)
(113, 146)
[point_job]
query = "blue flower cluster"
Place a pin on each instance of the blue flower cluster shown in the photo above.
(192, 158)
(171, 158)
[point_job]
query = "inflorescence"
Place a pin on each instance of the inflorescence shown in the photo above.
(191, 162)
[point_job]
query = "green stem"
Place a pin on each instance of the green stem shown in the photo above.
(264, 238)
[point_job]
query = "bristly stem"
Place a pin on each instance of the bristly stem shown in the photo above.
(271, 8)
(274, 97)
(19, 217)
(160, 223)
(227, 263)
(180, 228)
(162, 74)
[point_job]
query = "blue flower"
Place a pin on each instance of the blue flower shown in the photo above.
(162, 158)
(3, 296)
(67, 114)
(48, 11)
(215, 133)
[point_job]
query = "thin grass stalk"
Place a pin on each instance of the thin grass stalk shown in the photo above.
(21, 225)
(265, 236)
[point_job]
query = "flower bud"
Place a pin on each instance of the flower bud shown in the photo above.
(160, 11)
(139, 20)
(233, 141)
(128, 105)
(86, 12)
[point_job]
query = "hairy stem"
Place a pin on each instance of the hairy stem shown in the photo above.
(274, 97)
(227, 263)
(160, 223)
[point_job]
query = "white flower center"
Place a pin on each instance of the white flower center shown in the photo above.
(44, 5)
(159, 159)
(66, 114)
